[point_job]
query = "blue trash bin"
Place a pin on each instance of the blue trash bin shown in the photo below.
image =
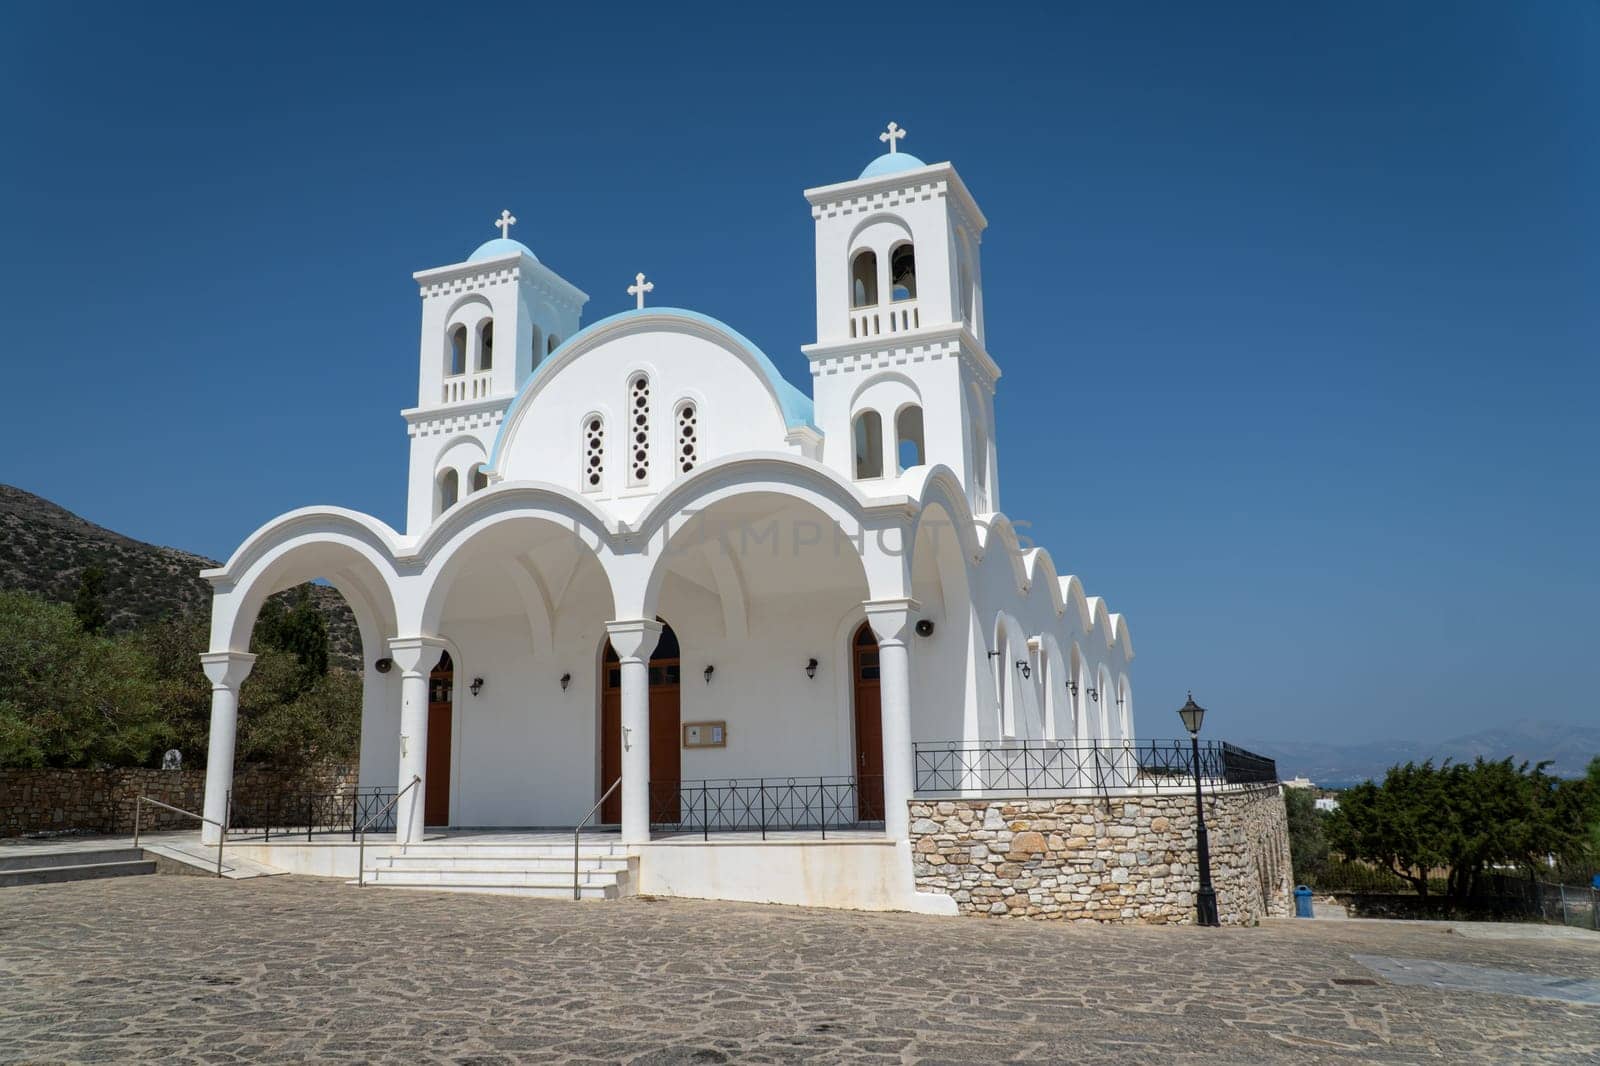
(1302, 902)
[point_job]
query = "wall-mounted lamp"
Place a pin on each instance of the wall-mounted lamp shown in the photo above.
(566, 679)
(1027, 671)
(384, 665)
(476, 686)
(1119, 703)
(1072, 687)
(993, 654)
(1094, 694)
(709, 671)
(811, 668)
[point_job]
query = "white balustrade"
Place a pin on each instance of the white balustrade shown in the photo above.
(899, 316)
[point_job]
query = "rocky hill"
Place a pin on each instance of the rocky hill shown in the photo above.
(1567, 747)
(44, 549)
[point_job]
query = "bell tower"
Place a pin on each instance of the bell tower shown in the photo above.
(487, 323)
(901, 376)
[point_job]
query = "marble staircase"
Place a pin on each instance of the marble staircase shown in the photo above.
(605, 870)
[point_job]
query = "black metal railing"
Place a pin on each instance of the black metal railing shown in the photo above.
(766, 804)
(306, 814)
(1067, 768)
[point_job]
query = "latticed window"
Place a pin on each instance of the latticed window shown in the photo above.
(639, 452)
(688, 438)
(594, 453)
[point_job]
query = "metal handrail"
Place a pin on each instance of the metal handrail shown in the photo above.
(361, 833)
(138, 810)
(576, 892)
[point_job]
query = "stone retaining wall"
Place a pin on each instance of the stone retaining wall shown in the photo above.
(1125, 859)
(34, 801)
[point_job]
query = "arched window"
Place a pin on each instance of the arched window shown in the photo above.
(864, 279)
(639, 430)
(868, 434)
(448, 490)
(552, 344)
(964, 279)
(908, 437)
(978, 430)
(480, 480)
(486, 346)
(457, 356)
(903, 272)
(688, 437)
(594, 453)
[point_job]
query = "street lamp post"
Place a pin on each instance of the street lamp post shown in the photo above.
(1192, 715)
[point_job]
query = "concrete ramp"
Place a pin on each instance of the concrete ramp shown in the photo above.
(202, 859)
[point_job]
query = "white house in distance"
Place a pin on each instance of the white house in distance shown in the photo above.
(633, 551)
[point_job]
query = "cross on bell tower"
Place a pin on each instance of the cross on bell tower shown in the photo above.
(891, 135)
(639, 288)
(504, 223)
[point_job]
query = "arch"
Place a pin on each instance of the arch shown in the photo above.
(479, 480)
(686, 449)
(507, 523)
(864, 278)
(486, 344)
(866, 434)
(593, 475)
(997, 529)
(639, 428)
(1124, 705)
(446, 490)
(978, 450)
(902, 271)
(455, 351)
(307, 546)
(1106, 704)
(1007, 649)
(1056, 702)
(536, 350)
(686, 508)
(1081, 731)
(908, 444)
(789, 402)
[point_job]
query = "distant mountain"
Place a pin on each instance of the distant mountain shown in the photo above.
(1568, 747)
(44, 549)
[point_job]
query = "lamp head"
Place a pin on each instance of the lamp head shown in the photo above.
(1192, 714)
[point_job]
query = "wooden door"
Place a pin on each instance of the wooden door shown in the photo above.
(666, 754)
(869, 727)
(611, 750)
(436, 798)
(666, 764)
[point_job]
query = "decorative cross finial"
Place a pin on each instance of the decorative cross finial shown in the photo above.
(505, 222)
(892, 134)
(639, 288)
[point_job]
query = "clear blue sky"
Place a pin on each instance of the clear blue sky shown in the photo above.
(1306, 298)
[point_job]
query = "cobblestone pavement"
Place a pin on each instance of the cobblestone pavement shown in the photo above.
(296, 969)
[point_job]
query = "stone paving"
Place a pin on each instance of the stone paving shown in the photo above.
(291, 969)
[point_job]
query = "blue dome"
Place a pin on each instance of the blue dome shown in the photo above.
(891, 163)
(501, 246)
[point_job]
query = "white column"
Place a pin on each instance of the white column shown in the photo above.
(891, 622)
(633, 640)
(226, 670)
(415, 656)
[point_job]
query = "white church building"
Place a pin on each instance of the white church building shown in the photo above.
(647, 584)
